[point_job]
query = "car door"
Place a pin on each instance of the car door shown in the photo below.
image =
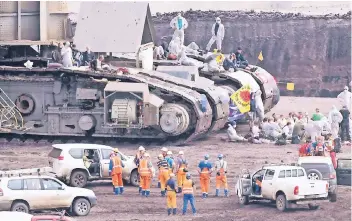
(267, 184)
(55, 194)
(105, 162)
(343, 172)
(245, 185)
(33, 193)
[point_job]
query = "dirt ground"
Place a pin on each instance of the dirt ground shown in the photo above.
(131, 206)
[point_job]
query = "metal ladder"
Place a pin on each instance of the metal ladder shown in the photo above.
(10, 117)
(123, 114)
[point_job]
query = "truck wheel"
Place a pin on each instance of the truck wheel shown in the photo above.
(333, 197)
(281, 202)
(134, 178)
(313, 206)
(78, 179)
(244, 200)
(81, 207)
(314, 174)
(20, 207)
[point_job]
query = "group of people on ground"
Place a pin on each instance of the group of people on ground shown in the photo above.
(173, 177)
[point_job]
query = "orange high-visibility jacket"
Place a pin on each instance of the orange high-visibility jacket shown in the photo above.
(187, 187)
(117, 166)
(143, 168)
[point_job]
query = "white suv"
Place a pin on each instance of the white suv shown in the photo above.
(67, 163)
(37, 192)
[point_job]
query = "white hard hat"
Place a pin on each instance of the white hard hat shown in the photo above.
(160, 156)
(146, 155)
(181, 152)
(141, 148)
(164, 149)
(346, 88)
(172, 175)
(169, 152)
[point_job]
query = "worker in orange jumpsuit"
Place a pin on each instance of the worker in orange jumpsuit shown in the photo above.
(137, 159)
(163, 173)
(145, 172)
(171, 195)
(115, 171)
(221, 179)
(163, 153)
(181, 165)
(205, 169)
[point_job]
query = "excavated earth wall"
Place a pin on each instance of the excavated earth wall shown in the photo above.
(313, 52)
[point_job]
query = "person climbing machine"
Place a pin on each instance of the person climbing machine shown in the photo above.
(205, 170)
(221, 179)
(115, 171)
(188, 194)
(171, 195)
(218, 33)
(163, 173)
(181, 170)
(145, 172)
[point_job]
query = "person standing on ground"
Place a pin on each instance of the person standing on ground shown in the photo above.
(221, 179)
(188, 194)
(346, 97)
(179, 24)
(218, 33)
(181, 164)
(345, 124)
(171, 195)
(317, 115)
(145, 172)
(137, 159)
(170, 162)
(335, 118)
(163, 173)
(205, 169)
(115, 171)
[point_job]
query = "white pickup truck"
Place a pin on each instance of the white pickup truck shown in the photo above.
(282, 184)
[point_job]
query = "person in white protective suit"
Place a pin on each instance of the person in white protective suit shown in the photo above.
(179, 24)
(184, 60)
(274, 130)
(346, 98)
(232, 134)
(218, 33)
(335, 118)
(259, 106)
(66, 53)
(313, 129)
(158, 53)
(175, 46)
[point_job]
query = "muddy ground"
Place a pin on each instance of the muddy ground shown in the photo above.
(131, 206)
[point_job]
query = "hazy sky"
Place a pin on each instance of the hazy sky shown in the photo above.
(306, 7)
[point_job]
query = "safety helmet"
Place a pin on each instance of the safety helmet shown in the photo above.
(206, 156)
(164, 149)
(160, 156)
(188, 176)
(141, 148)
(116, 150)
(181, 152)
(169, 152)
(220, 156)
(146, 155)
(172, 175)
(346, 88)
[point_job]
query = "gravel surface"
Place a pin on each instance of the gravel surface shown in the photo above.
(131, 206)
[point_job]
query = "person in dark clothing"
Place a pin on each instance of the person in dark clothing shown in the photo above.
(76, 55)
(171, 195)
(345, 124)
(240, 59)
(230, 62)
(96, 64)
(88, 56)
(165, 46)
(56, 54)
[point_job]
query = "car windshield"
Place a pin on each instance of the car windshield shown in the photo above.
(324, 169)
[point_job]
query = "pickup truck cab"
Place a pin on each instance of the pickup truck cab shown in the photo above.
(284, 185)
